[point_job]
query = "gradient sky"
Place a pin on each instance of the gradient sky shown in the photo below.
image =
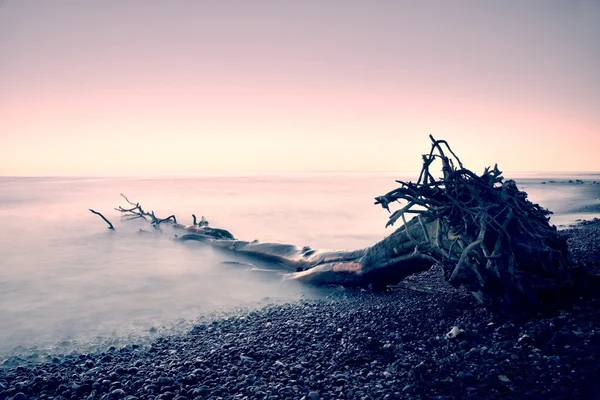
(198, 87)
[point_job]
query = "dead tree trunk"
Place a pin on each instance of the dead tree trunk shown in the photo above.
(480, 229)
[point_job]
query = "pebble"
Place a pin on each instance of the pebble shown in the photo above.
(164, 381)
(313, 395)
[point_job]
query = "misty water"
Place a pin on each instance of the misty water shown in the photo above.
(68, 283)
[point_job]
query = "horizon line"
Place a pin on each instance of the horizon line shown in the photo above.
(272, 173)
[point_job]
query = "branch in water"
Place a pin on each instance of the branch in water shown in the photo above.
(203, 221)
(156, 221)
(138, 212)
(110, 226)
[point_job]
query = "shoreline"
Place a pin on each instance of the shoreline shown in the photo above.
(352, 345)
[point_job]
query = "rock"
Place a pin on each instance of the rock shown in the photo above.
(75, 388)
(339, 379)
(247, 359)
(200, 391)
(165, 396)
(464, 376)
(117, 393)
(164, 381)
(313, 395)
(505, 329)
(297, 369)
(525, 340)
(454, 333)
(19, 396)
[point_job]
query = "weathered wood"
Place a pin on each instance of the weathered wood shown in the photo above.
(387, 262)
(489, 237)
(480, 229)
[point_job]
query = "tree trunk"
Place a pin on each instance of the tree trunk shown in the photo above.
(480, 229)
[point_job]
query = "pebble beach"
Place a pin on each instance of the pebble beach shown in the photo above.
(421, 339)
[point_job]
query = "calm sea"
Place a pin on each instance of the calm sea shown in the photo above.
(68, 283)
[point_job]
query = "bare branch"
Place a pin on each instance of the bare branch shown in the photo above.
(110, 226)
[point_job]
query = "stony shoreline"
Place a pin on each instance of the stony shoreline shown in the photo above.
(353, 345)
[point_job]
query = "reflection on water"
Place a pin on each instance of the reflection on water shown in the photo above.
(65, 278)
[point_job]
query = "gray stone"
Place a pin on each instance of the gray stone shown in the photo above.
(163, 380)
(117, 393)
(313, 395)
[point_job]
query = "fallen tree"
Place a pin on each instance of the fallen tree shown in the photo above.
(481, 229)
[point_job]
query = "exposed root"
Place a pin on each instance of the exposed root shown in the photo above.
(493, 240)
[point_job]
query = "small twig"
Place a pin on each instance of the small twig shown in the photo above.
(130, 202)
(406, 228)
(425, 232)
(399, 213)
(134, 217)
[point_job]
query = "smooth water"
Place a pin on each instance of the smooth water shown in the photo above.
(68, 283)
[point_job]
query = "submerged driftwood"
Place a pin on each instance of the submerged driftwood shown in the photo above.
(480, 229)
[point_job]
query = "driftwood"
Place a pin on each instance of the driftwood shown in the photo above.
(110, 225)
(483, 231)
(480, 229)
(203, 221)
(138, 212)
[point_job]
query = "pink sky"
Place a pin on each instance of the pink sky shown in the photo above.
(184, 87)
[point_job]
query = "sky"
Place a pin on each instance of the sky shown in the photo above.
(183, 87)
